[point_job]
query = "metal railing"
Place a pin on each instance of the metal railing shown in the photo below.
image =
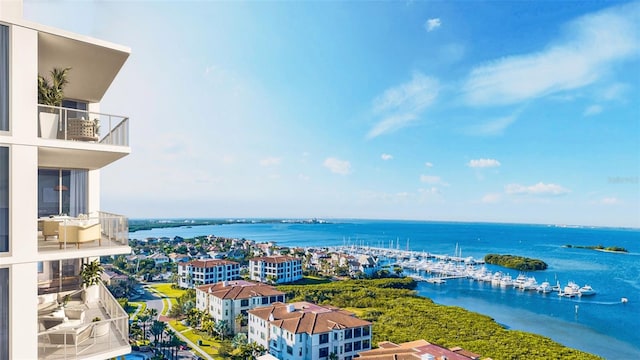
(90, 336)
(101, 230)
(56, 122)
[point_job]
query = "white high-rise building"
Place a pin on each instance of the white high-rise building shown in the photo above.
(51, 221)
(276, 269)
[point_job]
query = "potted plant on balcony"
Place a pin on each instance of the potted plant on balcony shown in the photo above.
(91, 274)
(51, 93)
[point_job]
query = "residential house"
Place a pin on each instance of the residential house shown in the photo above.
(159, 258)
(207, 271)
(418, 350)
(226, 300)
(178, 258)
(307, 331)
(275, 269)
(50, 162)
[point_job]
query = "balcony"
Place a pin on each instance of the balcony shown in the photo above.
(74, 331)
(98, 235)
(80, 139)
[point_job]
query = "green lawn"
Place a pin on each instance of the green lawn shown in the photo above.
(135, 304)
(209, 346)
(167, 290)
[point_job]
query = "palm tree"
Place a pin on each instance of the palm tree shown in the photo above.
(153, 313)
(144, 318)
(157, 329)
(221, 328)
(52, 93)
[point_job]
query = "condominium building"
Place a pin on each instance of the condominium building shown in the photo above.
(207, 271)
(307, 331)
(231, 300)
(276, 269)
(51, 221)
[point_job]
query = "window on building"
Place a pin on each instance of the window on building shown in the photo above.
(244, 302)
(4, 78)
(4, 199)
(265, 300)
(366, 344)
(289, 350)
(357, 346)
(4, 313)
(357, 332)
(323, 352)
(324, 338)
(348, 347)
(62, 192)
(348, 334)
(366, 331)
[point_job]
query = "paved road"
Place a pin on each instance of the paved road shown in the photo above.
(154, 301)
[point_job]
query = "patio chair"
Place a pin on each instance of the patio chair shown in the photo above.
(77, 234)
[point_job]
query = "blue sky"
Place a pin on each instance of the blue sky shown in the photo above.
(494, 111)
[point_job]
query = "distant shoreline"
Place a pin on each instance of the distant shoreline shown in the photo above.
(608, 249)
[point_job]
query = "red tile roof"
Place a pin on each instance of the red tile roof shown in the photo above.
(276, 259)
(305, 317)
(414, 350)
(208, 263)
(239, 289)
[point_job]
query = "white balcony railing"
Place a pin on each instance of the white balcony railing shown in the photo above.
(56, 122)
(86, 338)
(101, 230)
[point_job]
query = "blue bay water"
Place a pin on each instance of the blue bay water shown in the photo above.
(601, 324)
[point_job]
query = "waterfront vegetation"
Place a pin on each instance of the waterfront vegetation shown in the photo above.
(515, 262)
(399, 315)
(599, 248)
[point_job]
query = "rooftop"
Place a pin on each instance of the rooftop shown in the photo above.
(305, 317)
(239, 289)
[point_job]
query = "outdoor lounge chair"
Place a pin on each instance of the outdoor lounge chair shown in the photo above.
(78, 233)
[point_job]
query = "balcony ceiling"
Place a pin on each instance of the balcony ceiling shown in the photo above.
(80, 156)
(93, 65)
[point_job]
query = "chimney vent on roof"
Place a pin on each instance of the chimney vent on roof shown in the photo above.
(224, 283)
(290, 308)
(427, 357)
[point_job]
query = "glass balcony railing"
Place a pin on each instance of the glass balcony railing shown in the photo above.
(81, 328)
(79, 125)
(101, 230)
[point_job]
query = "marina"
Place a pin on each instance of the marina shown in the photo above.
(437, 269)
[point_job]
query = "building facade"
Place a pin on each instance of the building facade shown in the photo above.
(308, 331)
(51, 221)
(226, 300)
(275, 269)
(207, 271)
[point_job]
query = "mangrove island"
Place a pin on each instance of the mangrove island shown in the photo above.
(515, 262)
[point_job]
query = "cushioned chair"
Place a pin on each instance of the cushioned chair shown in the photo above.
(49, 228)
(78, 233)
(71, 337)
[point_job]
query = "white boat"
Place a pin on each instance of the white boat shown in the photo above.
(571, 290)
(544, 288)
(587, 290)
(506, 281)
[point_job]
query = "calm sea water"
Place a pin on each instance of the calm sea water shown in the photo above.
(601, 324)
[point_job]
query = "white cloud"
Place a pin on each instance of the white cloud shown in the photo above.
(337, 166)
(592, 110)
(540, 188)
(402, 104)
(610, 201)
(270, 161)
(590, 46)
(386, 157)
(432, 24)
(492, 127)
(428, 164)
(433, 180)
(483, 163)
(304, 177)
(228, 159)
(491, 198)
